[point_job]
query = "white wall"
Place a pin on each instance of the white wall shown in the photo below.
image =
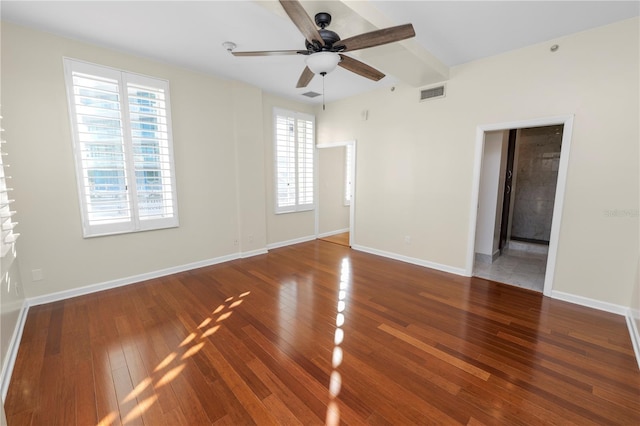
(333, 214)
(416, 159)
(490, 192)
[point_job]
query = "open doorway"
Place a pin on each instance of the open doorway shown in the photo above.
(521, 165)
(336, 193)
(519, 182)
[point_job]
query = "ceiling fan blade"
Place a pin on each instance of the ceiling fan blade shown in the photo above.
(305, 78)
(378, 37)
(360, 68)
(302, 20)
(267, 53)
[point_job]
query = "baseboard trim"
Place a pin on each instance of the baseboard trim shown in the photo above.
(291, 242)
(93, 288)
(496, 254)
(12, 353)
(330, 233)
(590, 303)
(487, 259)
(633, 332)
(412, 260)
(251, 253)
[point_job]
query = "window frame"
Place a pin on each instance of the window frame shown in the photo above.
(124, 79)
(297, 206)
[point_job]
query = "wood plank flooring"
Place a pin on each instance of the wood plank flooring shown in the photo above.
(342, 239)
(319, 334)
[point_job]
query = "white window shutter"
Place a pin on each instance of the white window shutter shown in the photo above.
(7, 226)
(294, 148)
(151, 150)
(306, 148)
(348, 174)
(285, 149)
(122, 141)
(97, 107)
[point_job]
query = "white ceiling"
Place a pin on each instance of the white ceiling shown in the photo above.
(191, 33)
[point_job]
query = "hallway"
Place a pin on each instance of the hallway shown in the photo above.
(522, 265)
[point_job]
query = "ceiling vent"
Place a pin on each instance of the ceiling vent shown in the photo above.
(311, 94)
(432, 92)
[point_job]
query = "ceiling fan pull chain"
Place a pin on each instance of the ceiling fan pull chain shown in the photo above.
(323, 74)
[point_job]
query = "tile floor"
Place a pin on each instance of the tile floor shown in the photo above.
(522, 265)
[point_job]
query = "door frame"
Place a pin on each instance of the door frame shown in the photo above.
(507, 194)
(567, 122)
(352, 205)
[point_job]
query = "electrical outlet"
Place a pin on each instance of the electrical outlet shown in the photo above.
(37, 275)
(250, 238)
(235, 242)
(407, 239)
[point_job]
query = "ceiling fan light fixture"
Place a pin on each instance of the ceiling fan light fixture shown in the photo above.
(323, 62)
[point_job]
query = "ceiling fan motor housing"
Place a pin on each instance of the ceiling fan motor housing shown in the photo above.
(323, 19)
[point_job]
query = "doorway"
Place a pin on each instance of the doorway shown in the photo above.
(336, 193)
(540, 247)
(526, 194)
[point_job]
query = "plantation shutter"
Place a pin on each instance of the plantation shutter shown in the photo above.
(122, 142)
(305, 162)
(348, 174)
(285, 163)
(100, 147)
(294, 140)
(152, 156)
(7, 235)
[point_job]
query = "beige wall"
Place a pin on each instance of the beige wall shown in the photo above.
(220, 168)
(415, 160)
(333, 214)
(250, 157)
(635, 296)
(634, 304)
(635, 300)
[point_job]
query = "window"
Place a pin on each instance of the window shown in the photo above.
(348, 174)
(123, 150)
(294, 152)
(7, 225)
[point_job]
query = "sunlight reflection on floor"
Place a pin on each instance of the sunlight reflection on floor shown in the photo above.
(166, 371)
(335, 381)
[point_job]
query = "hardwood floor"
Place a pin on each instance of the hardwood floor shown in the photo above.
(342, 239)
(317, 333)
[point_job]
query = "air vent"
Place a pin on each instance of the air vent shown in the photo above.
(311, 94)
(432, 92)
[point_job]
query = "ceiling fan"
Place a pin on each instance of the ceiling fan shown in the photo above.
(324, 48)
